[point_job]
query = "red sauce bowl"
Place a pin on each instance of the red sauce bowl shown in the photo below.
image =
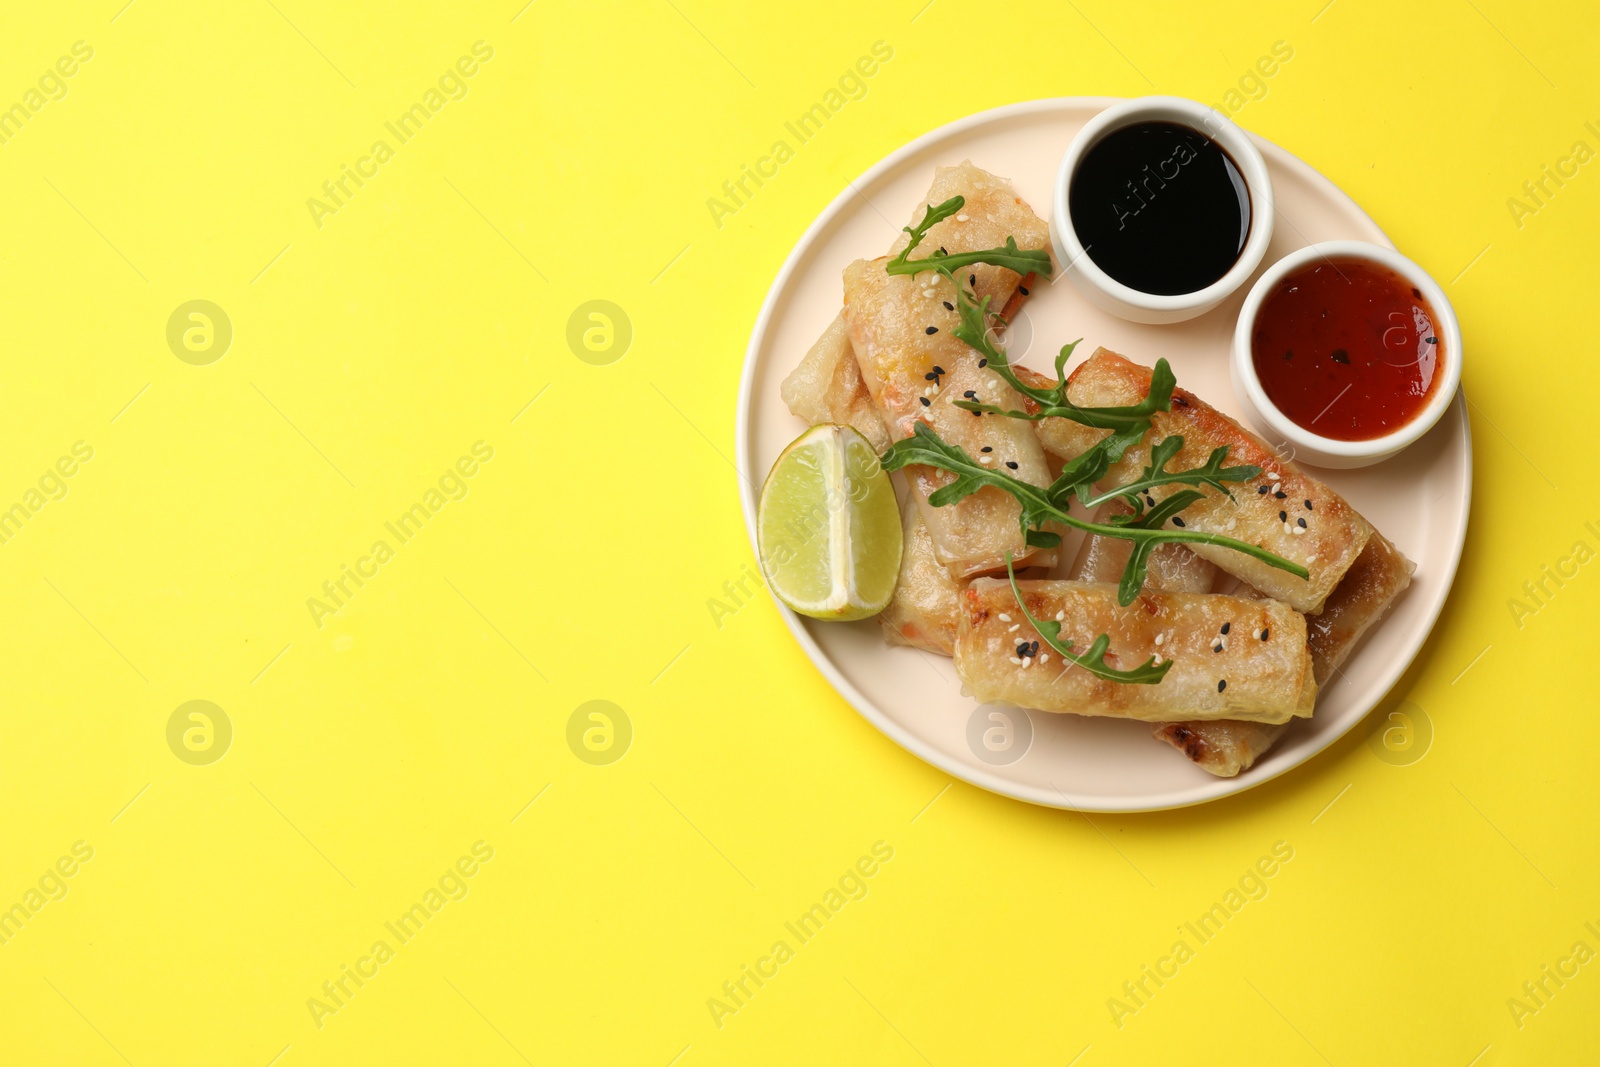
(1347, 352)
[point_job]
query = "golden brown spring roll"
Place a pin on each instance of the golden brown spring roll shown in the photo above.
(915, 369)
(827, 385)
(1376, 580)
(1231, 658)
(1172, 567)
(923, 611)
(1285, 510)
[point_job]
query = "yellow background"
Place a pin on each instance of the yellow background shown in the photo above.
(372, 752)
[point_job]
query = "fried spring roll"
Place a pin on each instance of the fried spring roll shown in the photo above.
(1231, 658)
(827, 385)
(923, 611)
(1376, 580)
(1285, 510)
(1172, 567)
(915, 369)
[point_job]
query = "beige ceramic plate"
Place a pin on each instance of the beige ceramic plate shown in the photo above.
(1419, 499)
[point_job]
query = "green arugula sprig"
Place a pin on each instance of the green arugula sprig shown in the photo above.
(1022, 260)
(1094, 660)
(1128, 425)
(1212, 473)
(926, 448)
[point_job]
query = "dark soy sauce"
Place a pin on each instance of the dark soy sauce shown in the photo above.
(1160, 207)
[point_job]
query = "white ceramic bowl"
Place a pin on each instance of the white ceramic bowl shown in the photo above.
(1104, 291)
(1313, 448)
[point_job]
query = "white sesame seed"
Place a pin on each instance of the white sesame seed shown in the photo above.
(1013, 628)
(1297, 530)
(961, 218)
(1004, 617)
(1044, 657)
(1060, 615)
(1027, 662)
(1161, 639)
(1276, 485)
(1311, 559)
(1156, 659)
(985, 460)
(1017, 660)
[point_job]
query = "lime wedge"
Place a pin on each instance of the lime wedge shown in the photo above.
(829, 527)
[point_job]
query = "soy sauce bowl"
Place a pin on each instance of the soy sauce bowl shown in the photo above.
(1305, 445)
(1111, 295)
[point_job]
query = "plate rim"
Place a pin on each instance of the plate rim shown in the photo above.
(1202, 792)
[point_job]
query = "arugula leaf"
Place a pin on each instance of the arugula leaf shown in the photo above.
(1023, 261)
(926, 448)
(1094, 660)
(1133, 574)
(920, 230)
(1081, 473)
(1213, 473)
(1128, 425)
(1122, 419)
(974, 332)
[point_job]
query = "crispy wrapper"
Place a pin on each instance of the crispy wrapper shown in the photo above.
(923, 611)
(1285, 510)
(1266, 681)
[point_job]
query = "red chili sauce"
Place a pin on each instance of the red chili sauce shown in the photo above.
(1347, 349)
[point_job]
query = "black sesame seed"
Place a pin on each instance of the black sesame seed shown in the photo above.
(1222, 685)
(930, 377)
(1227, 626)
(1283, 516)
(1302, 523)
(1340, 356)
(970, 394)
(1281, 495)
(949, 306)
(1416, 294)
(983, 363)
(938, 369)
(931, 330)
(972, 279)
(1023, 289)
(1264, 633)
(985, 448)
(1309, 507)
(1262, 491)
(925, 401)
(1176, 521)
(1011, 463)
(1431, 340)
